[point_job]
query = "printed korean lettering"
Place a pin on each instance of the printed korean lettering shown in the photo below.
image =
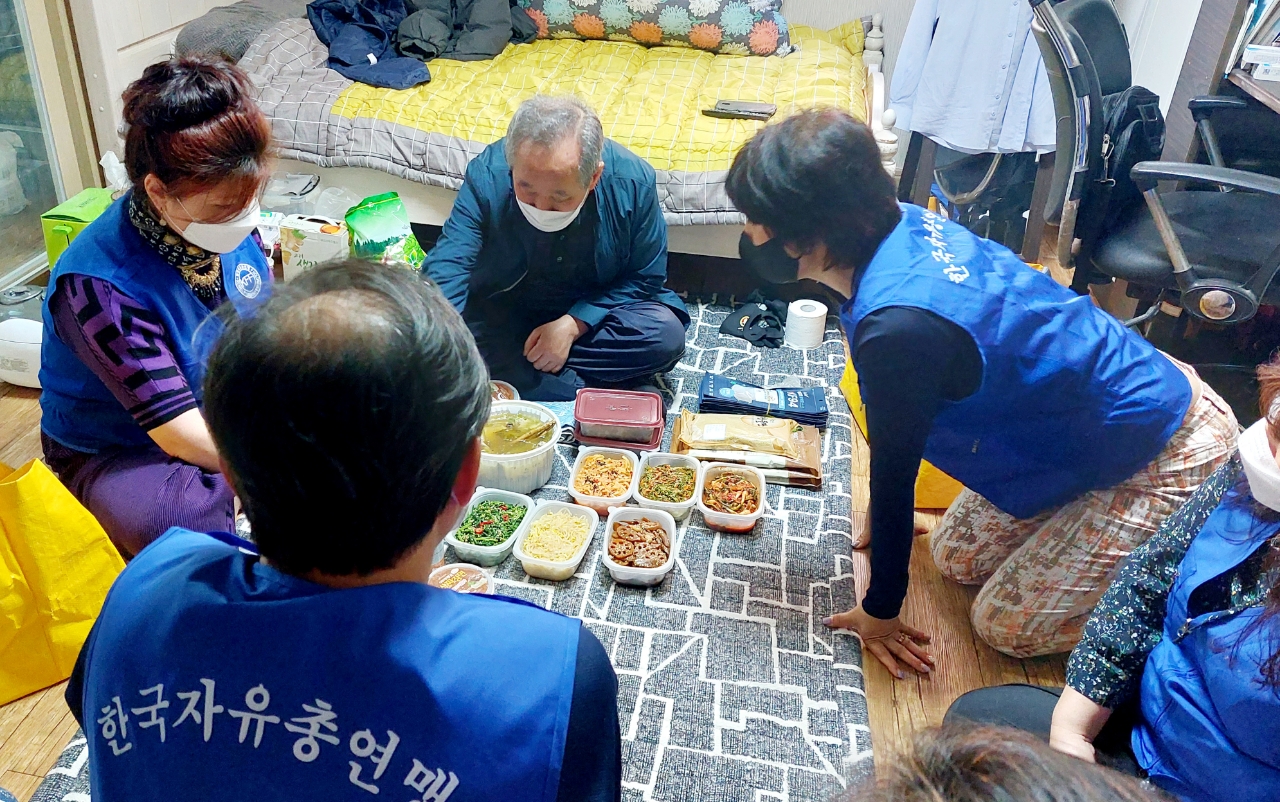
(152, 711)
(364, 744)
(306, 749)
(257, 700)
(211, 709)
(115, 723)
(946, 257)
(956, 273)
(431, 784)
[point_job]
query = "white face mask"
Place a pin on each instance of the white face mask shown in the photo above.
(223, 237)
(1260, 465)
(550, 221)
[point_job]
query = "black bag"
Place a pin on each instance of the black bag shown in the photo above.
(1132, 132)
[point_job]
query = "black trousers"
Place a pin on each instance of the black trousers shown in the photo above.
(1030, 708)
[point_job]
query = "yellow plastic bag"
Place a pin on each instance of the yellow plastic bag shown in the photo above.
(56, 565)
(935, 490)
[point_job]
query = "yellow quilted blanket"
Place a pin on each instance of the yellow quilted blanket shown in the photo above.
(649, 99)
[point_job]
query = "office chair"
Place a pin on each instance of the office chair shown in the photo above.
(1213, 251)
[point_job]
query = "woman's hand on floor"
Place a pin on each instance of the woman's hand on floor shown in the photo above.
(1077, 720)
(891, 641)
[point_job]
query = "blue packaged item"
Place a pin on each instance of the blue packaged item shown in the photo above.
(720, 394)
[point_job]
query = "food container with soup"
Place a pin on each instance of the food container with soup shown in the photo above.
(488, 528)
(555, 538)
(731, 497)
(620, 415)
(667, 482)
(603, 477)
(461, 577)
(518, 446)
(640, 545)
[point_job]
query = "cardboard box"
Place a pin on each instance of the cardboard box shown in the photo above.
(65, 221)
(306, 241)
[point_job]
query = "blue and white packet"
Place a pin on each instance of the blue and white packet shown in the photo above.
(720, 394)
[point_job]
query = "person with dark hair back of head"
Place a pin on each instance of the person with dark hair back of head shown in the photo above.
(348, 410)
(990, 764)
(127, 317)
(1177, 677)
(1073, 436)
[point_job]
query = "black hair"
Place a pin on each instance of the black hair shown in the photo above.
(343, 408)
(816, 178)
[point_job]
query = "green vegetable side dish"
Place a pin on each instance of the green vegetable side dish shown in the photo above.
(491, 523)
(668, 483)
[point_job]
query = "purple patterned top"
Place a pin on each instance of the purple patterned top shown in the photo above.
(125, 345)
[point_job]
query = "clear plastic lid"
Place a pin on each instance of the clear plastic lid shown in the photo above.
(618, 408)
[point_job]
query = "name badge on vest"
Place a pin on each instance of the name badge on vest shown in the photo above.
(248, 280)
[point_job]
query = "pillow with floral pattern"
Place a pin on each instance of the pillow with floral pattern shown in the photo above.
(739, 27)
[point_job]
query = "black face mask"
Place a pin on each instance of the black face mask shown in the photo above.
(769, 261)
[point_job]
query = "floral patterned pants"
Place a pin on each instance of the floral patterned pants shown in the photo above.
(1042, 576)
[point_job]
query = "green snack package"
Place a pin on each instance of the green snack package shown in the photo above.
(380, 229)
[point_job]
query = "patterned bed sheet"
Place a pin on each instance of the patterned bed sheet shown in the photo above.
(649, 99)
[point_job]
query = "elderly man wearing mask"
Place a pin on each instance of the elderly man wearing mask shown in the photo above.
(556, 255)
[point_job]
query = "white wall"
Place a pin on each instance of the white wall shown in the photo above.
(1159, 33)
(825, 14)
(117, 40)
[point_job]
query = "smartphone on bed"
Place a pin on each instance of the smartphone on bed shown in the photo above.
(741, 110)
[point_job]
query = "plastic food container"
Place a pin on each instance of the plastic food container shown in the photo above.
(724, 521)
(644, 577)
(557, 571)
(619, 415)
(503, 391)
(678, 510)
(520, 473)
(461, 577)
(489, 555)
(602, 504)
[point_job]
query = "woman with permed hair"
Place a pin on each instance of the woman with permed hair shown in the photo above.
(1074, 437)
(127, 318)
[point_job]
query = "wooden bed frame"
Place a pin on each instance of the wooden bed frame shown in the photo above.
(431, 205)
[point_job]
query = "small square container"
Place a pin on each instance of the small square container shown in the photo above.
(679, 510)
(556, 571)
(489, 555)
(724, 521)
(643, 577)
(521, 473)
(602, 504)
(621, 415)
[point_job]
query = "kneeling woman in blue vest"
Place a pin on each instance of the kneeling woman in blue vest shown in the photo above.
(1073, 436)
(1177, 677)
(127, 319)
(321, 664)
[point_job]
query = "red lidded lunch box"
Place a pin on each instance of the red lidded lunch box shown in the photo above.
(620, 416)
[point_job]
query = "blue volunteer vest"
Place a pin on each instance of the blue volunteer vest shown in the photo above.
(1070, 401)
(1210, 730)
(273, 688)
(78, 409)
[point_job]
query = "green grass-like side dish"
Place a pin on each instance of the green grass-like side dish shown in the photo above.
(491, 523)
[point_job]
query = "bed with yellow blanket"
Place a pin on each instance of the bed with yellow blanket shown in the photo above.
(649, 99)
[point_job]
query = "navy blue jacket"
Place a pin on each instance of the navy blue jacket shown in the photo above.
(480, 249)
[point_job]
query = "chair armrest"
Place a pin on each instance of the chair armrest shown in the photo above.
(1146, 174)
(1204, 105)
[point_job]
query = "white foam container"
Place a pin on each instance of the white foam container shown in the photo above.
(728, 522)
(643, 577)
(557, 571)
(521, 473)
(679, 510)
(488, 556)
(599, 503)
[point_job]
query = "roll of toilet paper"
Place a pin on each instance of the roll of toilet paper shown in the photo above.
(806, 322)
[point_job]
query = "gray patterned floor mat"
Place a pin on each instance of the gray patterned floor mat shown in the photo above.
(730, 687)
